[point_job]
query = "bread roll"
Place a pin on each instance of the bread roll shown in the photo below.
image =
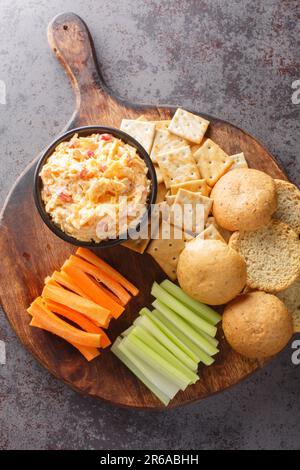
(244, 199)
(211, 272)
(257, 325)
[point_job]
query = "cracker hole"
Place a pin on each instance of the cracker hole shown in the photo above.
(66, 27)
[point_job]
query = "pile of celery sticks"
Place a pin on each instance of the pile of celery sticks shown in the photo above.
(164, 347)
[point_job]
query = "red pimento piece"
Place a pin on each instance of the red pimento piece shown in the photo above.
(83, 174)
(106, 137)
(90, 154)
(65, 197)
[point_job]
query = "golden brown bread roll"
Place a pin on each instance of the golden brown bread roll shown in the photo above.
(257, 325)
(211, 272)
(244, 199)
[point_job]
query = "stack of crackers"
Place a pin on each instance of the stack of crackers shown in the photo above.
(187, 165)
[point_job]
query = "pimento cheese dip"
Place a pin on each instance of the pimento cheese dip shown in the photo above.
(95, 187)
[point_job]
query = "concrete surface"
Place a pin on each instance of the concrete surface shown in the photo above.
(236, 60)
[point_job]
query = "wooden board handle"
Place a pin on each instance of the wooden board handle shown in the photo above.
(72, 43)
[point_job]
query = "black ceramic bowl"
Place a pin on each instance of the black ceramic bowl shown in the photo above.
(85, 131)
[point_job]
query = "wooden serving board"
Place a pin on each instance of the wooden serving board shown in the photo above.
(29, 251)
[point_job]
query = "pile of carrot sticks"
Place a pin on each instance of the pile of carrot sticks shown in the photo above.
(88, 292)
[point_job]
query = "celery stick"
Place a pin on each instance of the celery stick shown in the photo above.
(190, 316)
(146, 354)
(147, 323)
(158, 319)
(185, 328)
(168, 387)
(140, 372)
(145, 311)
(211, 340)
(178, 337)
(149, 340)
(202, 309)
(183, 341)
(126, 332)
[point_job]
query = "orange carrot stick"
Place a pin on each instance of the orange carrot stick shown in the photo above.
(94, 312)
(64, 279)
(42, 317)
(50, 281)
(79, 319)
(95, 293)
(92, 258)
(100, 275)
(88, 353)
(108, 292)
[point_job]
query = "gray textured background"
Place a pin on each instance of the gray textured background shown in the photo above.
(236, 60)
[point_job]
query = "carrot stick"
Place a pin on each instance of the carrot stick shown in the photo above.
(79, 319)
(88, 353)
(79, 278)
(49, 280)
(43, 318)
(72, 315)
(92, 258)
(64, 279)
(108, 292)
(94, 312)
(100, 275)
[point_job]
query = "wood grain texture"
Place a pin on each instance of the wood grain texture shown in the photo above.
(29, 251)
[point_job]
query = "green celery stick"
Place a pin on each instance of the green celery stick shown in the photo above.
(146, 354)
(157, 318)
(142, 371)
(184, 342)
(206, 312)
(145, 311)
(211, 340)
(146, 322)
(126, 332)
(186, 328)
(147, 338)
(162, 295)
